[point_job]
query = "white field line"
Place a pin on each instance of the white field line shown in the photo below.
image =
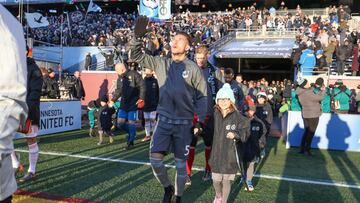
(272, 177)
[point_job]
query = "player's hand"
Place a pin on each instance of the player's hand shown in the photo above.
(111, 104)
(230, 135)
(140, 26)
(140, 103)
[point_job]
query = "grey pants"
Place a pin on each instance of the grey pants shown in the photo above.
(7, 177)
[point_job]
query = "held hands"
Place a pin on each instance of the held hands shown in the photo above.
(230, 135)
(140, 26)
(198, 129)
(140, 103)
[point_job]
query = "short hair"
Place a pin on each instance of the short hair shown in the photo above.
(186, 35)
(239, 75)
(229, 71)
(202, 49)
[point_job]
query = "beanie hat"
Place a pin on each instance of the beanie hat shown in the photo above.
(104, 98)
(339, 82)
(261, 94)
(319, 82)
(225, 92)
(249, 104)
(301, 82)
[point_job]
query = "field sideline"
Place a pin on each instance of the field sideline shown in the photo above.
(72, 166)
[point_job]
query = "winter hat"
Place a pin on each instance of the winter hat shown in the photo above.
(339, 82)
(262, 94)
(104, 98)
(319, 82)
(225, 92)
(249, 104)
(301, 82)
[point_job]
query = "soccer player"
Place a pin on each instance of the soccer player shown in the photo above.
(213, 77)
(183, 92)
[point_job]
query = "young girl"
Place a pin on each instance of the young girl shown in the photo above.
(230, 127)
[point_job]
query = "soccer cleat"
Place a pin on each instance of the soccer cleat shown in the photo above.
(207, 176)
(308, 153)
(169, 193)
(178, 199)
(188, 181)
(111, 139)
(250, 186)
(217, 199)
(29, 176)
(146, 138)
(130, 146)
(262, 153)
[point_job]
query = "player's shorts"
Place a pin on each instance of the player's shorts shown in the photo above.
(127, 115)
(171, 138)
(207, 134)
(150, 115)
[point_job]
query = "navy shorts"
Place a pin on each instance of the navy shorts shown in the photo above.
(175, 138)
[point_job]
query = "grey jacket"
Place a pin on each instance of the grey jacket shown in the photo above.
(183, 89)
(310, 102)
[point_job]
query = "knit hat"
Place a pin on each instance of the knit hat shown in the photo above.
(104, 98)
(249, 104)
(319, 82)
(301, 82)
(261, 94)
(339, 82)
(225, 93)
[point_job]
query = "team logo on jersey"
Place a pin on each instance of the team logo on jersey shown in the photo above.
(210, 79)
(255, 128)
(228, 127)
(154, 85)
(233, 127)
(185, 74)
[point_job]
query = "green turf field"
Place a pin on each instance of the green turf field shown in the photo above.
(112, 180)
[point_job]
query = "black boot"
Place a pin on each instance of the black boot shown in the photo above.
(178, 199)
(169, 193)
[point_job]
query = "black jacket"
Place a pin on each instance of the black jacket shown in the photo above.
(151, 94)
(105, 118)
(78, 90)
(130, 87)
(223, 157)
(34, 85)
(88, 62)
(264, 113)
(256, 140)
(50, 88)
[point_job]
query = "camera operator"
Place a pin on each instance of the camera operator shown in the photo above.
(50, 88)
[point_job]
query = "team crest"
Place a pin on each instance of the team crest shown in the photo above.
(233, 127)
(228, 127)
(185, 74)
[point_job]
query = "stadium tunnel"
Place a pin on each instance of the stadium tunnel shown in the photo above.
(256, 58)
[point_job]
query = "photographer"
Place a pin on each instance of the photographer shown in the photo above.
(50, 88)
(109, 59)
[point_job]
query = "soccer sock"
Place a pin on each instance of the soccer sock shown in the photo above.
(190, 160)
(132, 132)
(250, 171)
(160, 171)
(218, 188)
(33, 157)
(14, 160)
(180, 177)
(147, 128)
(153, 124)
(226, 187)
(207, 157)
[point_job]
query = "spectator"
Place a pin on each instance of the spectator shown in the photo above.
(343, 52)
(104, 120)
(358, 98)
(239, 95)
(109, 59)
(88, 61)
(307, 60)
(239, 80)
(50, 88)
(355, 60)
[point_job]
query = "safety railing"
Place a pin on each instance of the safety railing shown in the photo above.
(262, 31)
